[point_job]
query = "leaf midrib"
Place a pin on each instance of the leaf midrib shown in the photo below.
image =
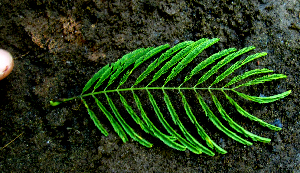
(153, 88)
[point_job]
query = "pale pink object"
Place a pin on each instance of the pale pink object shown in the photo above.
(6, 63)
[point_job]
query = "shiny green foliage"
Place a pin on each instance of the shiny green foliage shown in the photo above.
(170, 64)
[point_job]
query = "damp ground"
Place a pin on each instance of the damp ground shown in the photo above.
(58, 46)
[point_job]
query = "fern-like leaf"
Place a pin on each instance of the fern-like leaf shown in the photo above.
(176, 59)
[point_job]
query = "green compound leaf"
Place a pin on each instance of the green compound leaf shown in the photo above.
(171, 63)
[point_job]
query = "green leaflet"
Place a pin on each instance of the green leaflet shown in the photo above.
(218, 124)
(161, 59)
(172, 62)
(248, 115)
(95, 119)
(184, 62)
(118, 129)
(223, 62)
(125, 126)
(234, 125)
(134, 116)
(263, 79)
(95, 77)
(166, 125)
(247, 74)
(200, 130)
(237, 65)
(168, 140)
(264, 99)
(126, 61)
(208, 61)
(103, 77)
(140, 60)
(188, 136)
(180, 55)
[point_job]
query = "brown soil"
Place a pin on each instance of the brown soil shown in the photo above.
(58, 46)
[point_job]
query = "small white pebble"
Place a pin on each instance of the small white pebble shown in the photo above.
(6, 63)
